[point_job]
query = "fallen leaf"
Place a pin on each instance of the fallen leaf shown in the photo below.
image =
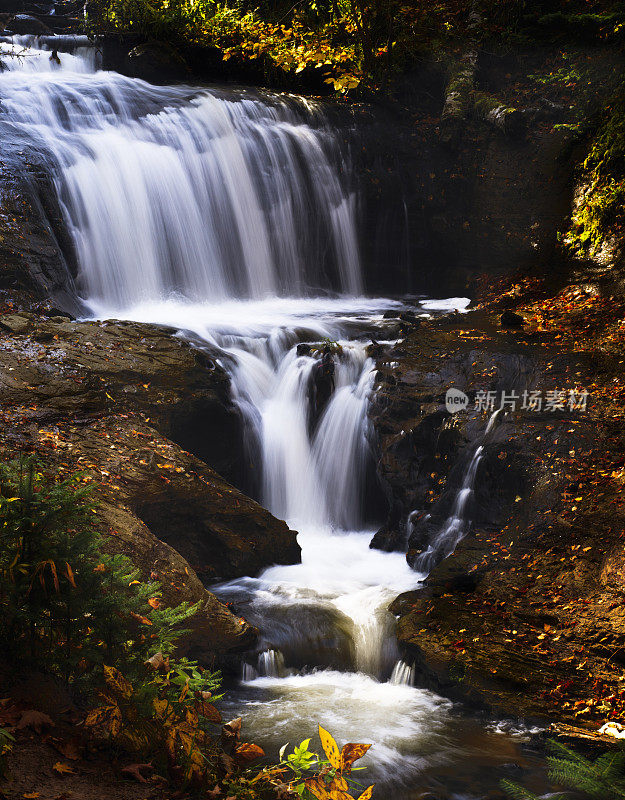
(136, 771)
(246, 751)
(70, 748)
(62, 769)
(36, 720)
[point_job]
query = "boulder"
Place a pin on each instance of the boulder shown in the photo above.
(109, 399)
(26, 25)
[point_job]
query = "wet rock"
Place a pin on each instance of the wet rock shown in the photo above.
(65, 395)
(25, 24)
(16, 323)
(156, 62)
(526, 615)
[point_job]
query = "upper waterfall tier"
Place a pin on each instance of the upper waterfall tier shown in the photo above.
(201, 193)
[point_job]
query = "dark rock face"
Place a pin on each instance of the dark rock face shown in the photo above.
(510, 319)
(108, 398)
(24, 24)
(37, 260)
(156, 62)
(519, 617)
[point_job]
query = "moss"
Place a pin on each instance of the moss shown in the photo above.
(600, 207)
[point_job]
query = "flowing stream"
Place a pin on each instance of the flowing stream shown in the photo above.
(231, 216)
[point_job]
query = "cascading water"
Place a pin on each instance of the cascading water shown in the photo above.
(223, 214)
(175, 189)
(458, 523)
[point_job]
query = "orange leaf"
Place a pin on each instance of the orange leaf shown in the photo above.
(317, 788)
(330, 748)
(366, 795)
(62, 769)
(350, 753)
(116, 681)
(70, 575)
(154, 602)
(248, 752)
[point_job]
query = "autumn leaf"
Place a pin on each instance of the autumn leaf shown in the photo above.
(317, 788)
(209, 712)
(154, 602)
(330, 748)
(116, 681)
(62, 769)
(36, 720)
(70, 748)
(248, 752)
(366, 795)
(136, 771)
(158, 662)
(70, 575)
(350, 753)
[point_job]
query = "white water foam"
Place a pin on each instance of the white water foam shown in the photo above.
(221, 214)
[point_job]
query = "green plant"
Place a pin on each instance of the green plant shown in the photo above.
(600, 779)
(67, 608)
(6, 743)
(331, 779)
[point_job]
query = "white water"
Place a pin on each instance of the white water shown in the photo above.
(230, 217)
(459, 521)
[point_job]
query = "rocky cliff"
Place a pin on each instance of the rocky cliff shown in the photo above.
(119, 402)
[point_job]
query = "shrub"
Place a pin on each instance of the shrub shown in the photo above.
(65, 607)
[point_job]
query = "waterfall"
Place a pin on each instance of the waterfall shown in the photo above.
(458, 524)
(402, 675)
(229, 215)
(271, 664)
(178, 191)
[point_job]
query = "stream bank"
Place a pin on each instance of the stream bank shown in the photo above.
(66, 399)
(526, 616)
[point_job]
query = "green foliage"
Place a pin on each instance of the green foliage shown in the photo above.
(599, 211)
(316, 778)
(600, 779)
(65, 607)
(352, 43)
(6, 743)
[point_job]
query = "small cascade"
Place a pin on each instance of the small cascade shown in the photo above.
(271, 664)
(458, 524)
(248, 673)
(229, 215)
(402, 675)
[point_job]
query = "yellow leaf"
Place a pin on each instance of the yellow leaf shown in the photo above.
(350, 753)
(317, 788)
(116, 681)
(366, 795)
(160, 706)
(330, 748)
(62, 769)
(31, 795)
(97, 716)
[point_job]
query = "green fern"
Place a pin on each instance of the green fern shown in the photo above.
(601, 779)
(516, 792)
